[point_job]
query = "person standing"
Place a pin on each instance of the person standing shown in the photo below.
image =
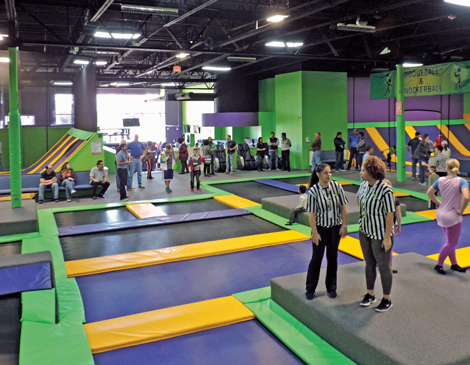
(285, 152)
(377, 208)
(212, 147)
(411, 147)
(361, 150)
(167, 158)
(273, 144)
(231, 147)
(422, 154)
(122, 167)
(135, 148)
(195, 166)
(183, 156)
(150, 151)
(439, 160)
(260, 153)
(99, 176)
(328, 216)
(118, 148)
(316, 148)
(48, 179)
(446, 150)
(353, 151)
(339, 151)
(438, 140)
(455, 198)
(206, 153)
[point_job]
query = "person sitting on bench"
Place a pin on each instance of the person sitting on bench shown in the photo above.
(48, 179)
(99, 176)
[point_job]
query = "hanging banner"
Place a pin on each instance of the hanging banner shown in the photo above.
(441, 79)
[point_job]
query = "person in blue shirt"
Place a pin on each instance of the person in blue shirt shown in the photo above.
(122, 168)
(353, 152)
(135, 149)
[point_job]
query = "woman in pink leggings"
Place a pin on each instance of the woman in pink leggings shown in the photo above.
(455, 198)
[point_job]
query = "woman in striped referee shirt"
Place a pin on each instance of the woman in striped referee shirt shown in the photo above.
(328, 216)
(377, 207)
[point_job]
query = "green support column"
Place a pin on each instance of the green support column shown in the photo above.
(401, 146)
(14, 131)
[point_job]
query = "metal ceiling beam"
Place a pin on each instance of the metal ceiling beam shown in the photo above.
(11, 11)
(101, 10)
(189, 13)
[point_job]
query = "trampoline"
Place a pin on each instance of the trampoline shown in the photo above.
(149, 238)
(10, 328)
(252, 190)
(11, 248)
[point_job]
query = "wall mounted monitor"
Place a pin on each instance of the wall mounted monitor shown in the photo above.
(131, 122)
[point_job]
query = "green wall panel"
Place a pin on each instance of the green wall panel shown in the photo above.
(266, 121)
(240, 133)
(267, 98)
(466, 103)
(84, 160)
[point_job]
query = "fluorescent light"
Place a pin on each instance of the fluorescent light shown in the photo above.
(117, 35)
(241, 59)
(120, 84)
(277, 18)
(216, 68)
(3, 36)
(101, 63)
(458, 2)
(81, 62)
(182, 55)
(63, 83)
(386, 50)
(294, 44)
(411, 64)
(277, 44)
(142, 9)
(356, 28)
(4, 60)
(168, 84)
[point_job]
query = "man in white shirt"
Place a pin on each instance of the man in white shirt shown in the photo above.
(99, 176)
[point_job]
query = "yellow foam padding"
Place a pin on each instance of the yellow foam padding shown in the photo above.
(23, 196)
(235, 201)
(411, 131)
(179, 253)
(352, 247)
(41, 166)
(400, 195)
(453, 140)
(381, 144)
(145, 210)
(431, 214)
(165, 323)
(462, 254)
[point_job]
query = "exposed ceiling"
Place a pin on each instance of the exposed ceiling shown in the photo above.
(52, 34)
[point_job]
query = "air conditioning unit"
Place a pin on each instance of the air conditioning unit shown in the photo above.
(356, 28)
(183, 96)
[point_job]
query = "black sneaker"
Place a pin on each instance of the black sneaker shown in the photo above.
(94, 197)
(288, 224)
(457, 268)
(368, 299)
(309, 295)
(439, 269)
(332, 294)
(40, 201)
(384, 305)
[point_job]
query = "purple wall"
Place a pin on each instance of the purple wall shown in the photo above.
(361, 109)
(230, 119)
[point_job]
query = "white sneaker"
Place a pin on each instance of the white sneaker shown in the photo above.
(73, 191)
(69, 200)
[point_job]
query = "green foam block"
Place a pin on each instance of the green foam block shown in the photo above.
(39, 306)
(62, 343)
(254, 295)
(301, 340)
(46, 223)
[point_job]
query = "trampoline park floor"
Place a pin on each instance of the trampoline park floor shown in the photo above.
(121, 293)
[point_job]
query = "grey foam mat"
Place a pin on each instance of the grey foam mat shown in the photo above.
(428, 323)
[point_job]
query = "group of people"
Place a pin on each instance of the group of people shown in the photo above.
(271, 149)
(379, 222)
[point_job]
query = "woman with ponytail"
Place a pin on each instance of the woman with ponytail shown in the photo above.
(455, 198)
(326, 209)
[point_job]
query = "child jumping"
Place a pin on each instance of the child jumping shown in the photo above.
(194, 164)
(300, 208)
(167, 158)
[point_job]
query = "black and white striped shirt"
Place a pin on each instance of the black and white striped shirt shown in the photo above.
(375, 202)
(326, 203)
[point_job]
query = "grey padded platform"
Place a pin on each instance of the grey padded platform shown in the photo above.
(18, 220)
(428, 323)
(282, 206)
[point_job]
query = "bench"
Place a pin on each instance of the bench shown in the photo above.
(328, 157)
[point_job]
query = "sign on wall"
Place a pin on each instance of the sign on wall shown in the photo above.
(96, 147)
(441, 79)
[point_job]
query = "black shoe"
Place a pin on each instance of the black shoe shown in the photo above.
(288, 224)
(457, 268)
(394, 271)
(182, 173)
(125, 198)
(94, 197)
(368, 299)
(332, 294)
(439, 269)
(384, 305)
(101, 195)
(141, 187)
(57, 200)
(40, 201)
(309, 295)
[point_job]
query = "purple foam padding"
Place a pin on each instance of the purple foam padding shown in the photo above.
(147, 222)
(18, 279)
(279, 184)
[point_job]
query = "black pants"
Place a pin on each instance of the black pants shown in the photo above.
(330, 238)
(184, 166)
(360, 157)
(195, 174)
(353, 154)
(104, 185)
(207, 169)
(122, 173)
(285, 160)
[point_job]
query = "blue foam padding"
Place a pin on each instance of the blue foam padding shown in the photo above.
(279, 184)
(248, 343)
(121, 293)
(18, 279)
(146, 222)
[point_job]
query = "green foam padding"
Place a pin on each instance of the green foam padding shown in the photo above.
(46, 223)
(214, 190)
(38, 306)
(62, 343)
(412, 217)
(352, 228)
(78, 133)
(301, 340)
(254, 295)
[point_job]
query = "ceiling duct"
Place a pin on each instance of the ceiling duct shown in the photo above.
(193, 96)
(142, 9)
(356, 28)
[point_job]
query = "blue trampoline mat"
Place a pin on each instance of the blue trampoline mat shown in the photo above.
(126, 292)
(248, 343)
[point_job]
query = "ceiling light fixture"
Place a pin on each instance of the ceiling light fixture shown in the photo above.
(411, 64)
(168, 84)
(142, 9)
(63, 83)
(277, 44)
(216, 68)
(3, 36)
(241, 59)
(458, 2)
(294, 44)
(386, 50)
(117, 84)
(356, 28)
(101, 63)
(277, 18)
(117, 35)
(4, 60)
(182, 55)
(81, 62)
